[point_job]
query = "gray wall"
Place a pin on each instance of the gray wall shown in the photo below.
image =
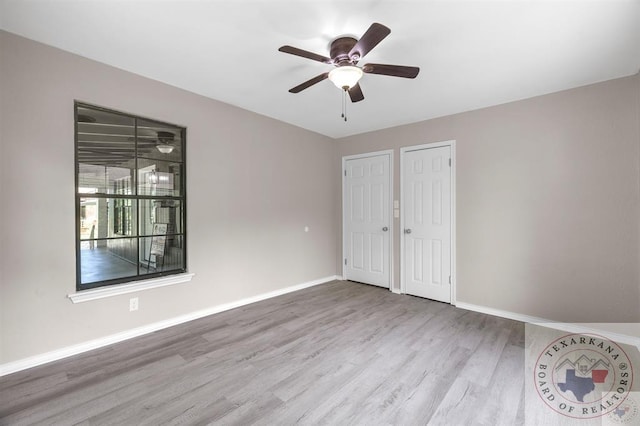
(251, 193)
(548, 201)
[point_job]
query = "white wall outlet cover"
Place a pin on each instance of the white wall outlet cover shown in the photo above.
(306, 229)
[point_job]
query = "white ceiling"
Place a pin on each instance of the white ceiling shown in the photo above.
(472, 54)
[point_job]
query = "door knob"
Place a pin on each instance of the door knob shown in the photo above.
(385, 229)
(407, 231)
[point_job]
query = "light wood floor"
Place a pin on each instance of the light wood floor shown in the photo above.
(339, 353)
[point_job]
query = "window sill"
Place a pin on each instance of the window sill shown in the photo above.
(101, 293)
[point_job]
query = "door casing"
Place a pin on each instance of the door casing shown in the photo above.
(452, 144)
(388, 152)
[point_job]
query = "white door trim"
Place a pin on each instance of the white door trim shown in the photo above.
(388, 152)
(452, 144)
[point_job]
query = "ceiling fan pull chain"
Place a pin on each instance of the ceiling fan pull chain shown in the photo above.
(344, 104)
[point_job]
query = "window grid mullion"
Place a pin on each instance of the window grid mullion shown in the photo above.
(136, 191)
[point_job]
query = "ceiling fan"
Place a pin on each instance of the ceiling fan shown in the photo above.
(345, 52)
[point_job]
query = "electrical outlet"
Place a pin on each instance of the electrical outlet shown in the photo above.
(133, 304)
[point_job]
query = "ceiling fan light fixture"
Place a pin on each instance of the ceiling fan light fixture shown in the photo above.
(345, 76)
(165, 139)
(165, 148)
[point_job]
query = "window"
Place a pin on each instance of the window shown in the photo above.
(130, 197)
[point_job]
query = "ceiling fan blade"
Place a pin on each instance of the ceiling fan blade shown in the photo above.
(392, 70)
(355, 93)
(305, 54)
(370, 39)
(309, 83)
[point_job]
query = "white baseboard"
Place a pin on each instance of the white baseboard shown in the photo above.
(568, 327)
(68, 351)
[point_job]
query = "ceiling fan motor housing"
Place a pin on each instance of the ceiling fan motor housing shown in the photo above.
(339, 51)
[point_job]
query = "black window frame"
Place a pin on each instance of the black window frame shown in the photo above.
(125, 219)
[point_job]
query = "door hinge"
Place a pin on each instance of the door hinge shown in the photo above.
(345, 261)
(449, 279)
(449, 162)
(345, 172)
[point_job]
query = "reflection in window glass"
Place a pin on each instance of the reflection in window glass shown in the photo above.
(161, 252)
(105, 149)
(103, 179)
(107, 218)
(129, 198)
(157, 141)
(106, 260)
(163, 211)
(159, 178)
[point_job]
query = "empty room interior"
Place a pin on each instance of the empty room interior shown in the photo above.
(323, 212)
